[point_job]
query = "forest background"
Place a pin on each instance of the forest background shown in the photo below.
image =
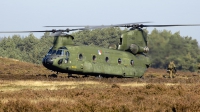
(164, 46)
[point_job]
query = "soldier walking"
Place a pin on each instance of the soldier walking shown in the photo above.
(198, 68)
(171, 69)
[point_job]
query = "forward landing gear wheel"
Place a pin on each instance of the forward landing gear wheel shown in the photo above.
(141, 77)
(99, 77)
(85, 76)
(69, 75)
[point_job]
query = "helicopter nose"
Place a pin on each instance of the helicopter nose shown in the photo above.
(47, 61)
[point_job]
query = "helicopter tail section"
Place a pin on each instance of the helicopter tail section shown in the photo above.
(134, 42)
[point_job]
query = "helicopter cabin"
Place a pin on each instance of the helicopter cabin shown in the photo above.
(95, 61)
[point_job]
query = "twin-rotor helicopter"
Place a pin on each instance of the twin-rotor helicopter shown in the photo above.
(127, 59)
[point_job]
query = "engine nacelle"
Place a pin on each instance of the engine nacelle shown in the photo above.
(135, 49)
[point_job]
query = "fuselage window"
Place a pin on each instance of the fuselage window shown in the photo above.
(80, 56)
(119, 61)
(132, 62)
(93, 57)
(107, 59)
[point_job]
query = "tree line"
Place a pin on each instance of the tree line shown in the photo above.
(164, 45)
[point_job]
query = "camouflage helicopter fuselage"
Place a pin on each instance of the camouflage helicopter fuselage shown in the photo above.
(120, 62)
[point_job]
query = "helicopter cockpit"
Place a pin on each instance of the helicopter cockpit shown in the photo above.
(62, 54)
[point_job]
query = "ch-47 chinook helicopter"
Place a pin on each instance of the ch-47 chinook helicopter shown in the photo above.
(128, 59)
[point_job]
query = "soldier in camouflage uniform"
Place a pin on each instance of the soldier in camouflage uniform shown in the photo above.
(171, 69)
(198, 68)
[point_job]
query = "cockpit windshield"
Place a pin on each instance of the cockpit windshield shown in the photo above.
(60, 52)
(51, 51)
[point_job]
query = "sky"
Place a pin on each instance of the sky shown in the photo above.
(26, 15)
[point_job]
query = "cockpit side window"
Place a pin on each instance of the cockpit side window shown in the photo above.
(67, 53)
(60, 52)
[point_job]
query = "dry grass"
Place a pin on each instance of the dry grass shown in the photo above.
(94, 96)
(24, 87)
(16, 85)
(15, 68)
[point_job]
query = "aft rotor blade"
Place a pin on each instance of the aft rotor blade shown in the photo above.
(169, 25)
(128, 24)
(133, 25)
(90, 26)
(118, 25)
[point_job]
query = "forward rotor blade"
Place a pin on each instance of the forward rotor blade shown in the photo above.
(23, 31)
(56, 34)
(66, 30)
(74, 26)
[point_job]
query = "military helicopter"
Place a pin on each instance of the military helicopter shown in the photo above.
(127, 59)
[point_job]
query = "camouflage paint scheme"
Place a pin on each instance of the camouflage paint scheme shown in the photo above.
(88, 60)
